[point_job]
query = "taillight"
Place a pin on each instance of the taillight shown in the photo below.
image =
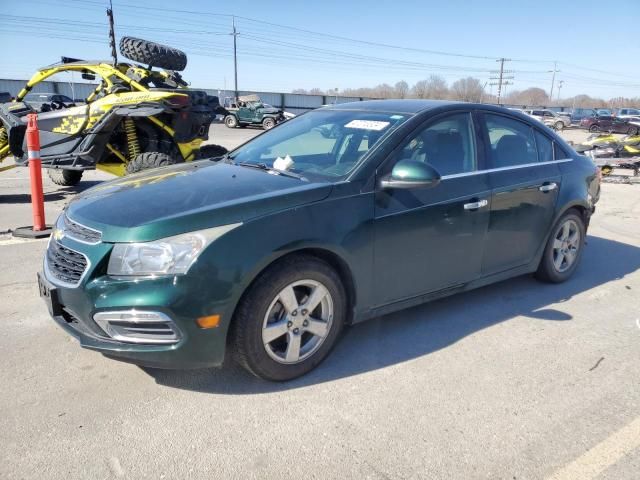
(178, 100)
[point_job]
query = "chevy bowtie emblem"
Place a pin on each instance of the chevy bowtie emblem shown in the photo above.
(58, 234)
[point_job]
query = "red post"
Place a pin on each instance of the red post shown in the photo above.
(35, 173)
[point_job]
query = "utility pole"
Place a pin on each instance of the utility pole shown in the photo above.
(553, 78)
(235, 55)
(112, 34)
(502, 78)
(560, 83)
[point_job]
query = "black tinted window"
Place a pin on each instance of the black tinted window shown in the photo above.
(511, 141)
(559, 153)
(544, 146)
(446, 144)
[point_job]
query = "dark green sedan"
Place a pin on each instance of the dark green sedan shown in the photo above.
(337, 216)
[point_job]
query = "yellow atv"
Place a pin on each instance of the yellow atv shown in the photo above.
(137, 118)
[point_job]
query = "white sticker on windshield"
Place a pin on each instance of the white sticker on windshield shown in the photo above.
(367, 124)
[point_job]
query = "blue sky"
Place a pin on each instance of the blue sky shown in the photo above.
(595, 50)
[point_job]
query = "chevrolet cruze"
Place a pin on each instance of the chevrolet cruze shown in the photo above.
(337, 216)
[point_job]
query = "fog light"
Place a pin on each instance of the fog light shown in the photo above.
(138, 326)
(212, 321)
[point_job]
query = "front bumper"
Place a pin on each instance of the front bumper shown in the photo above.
(73, 309)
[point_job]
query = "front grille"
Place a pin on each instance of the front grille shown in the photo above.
(64, 264)
(80, 232)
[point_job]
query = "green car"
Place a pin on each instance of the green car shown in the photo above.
(337, 216)
(249, 110)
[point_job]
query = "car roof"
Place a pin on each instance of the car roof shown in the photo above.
(401, 106)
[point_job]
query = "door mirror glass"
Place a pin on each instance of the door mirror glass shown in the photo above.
(411, 174)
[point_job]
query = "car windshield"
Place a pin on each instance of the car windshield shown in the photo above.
(321, 145)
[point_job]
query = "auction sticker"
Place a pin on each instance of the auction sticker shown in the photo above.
(367, 124)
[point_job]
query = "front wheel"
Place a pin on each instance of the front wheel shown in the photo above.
(64, 178)
(148, 160)
(211, 151)
(633, 131)
(231, 121)
(268, 123)
(594, 128)
(563, 250)
(559, 126)
(289, 319)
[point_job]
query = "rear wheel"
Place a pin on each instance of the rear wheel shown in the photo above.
(148, 160)
(268, 123)
(594, 128)
(231, 121)
(65, 178)
(289, 319)
(633, 130)
(563, 250)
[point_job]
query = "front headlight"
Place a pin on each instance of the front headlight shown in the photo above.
(167, 256)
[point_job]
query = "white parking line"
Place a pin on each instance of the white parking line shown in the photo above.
(605, 454)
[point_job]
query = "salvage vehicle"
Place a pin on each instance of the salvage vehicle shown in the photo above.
(555, 120)
(249, 110)
(601, 123)
(273, 249)
(136, 118)
(628, 113)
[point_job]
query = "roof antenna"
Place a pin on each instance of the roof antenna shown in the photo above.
(112, 34)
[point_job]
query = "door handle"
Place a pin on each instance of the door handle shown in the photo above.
(476, 205)
(548, 187)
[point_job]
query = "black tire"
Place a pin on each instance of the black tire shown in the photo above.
(547, 271)
(594, 128)
(559, 126)
(148, 160)
(268, 123)
(65, 178)
(211, 151)
(246, 330)
(231, 121)
(154, 54)
(633, 131)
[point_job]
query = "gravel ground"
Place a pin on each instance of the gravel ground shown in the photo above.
(519, 380)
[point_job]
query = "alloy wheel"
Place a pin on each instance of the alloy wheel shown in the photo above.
(566, 244)
(297, 321)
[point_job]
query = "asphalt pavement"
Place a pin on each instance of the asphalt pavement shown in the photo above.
(518, 380)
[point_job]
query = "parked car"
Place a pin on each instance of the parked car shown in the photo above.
(271, 250)
(555, 120)
(579, 113)
(609, 124)
(249, 110)
(45, 102)
(604, 112)
(633, 113)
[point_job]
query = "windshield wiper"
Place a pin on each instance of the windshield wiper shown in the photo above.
(267, 168)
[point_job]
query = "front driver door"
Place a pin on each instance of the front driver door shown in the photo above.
(428, 239)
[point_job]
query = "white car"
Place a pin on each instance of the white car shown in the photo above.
(555, 120)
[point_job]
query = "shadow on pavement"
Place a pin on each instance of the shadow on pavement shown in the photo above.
(62, 193)
(418, 331)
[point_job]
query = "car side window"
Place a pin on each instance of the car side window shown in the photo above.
(544, 147)
(447, 145)
(511, 141)
(559, 153)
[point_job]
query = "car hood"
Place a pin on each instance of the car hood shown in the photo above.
(187, 197)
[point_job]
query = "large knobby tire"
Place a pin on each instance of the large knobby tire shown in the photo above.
(231, 121)
(268, 123)
(148, 160)
(154, 54)
(262, 314)
(211, 151)
(65, 178)
(563, 251)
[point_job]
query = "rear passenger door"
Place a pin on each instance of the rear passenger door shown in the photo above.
(524, 180)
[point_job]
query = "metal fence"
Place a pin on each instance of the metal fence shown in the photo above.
(291, 102)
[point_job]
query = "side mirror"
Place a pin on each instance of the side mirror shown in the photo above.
(411, 174)
(88, 76)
